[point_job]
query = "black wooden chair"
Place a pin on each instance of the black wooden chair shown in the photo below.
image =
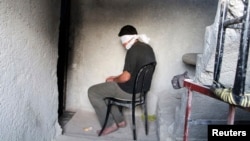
(141, 87)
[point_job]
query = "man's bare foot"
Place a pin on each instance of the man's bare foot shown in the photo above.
(122, 124)
(109, 129)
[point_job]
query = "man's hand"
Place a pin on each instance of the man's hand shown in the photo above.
(110, 79)
(122, 78)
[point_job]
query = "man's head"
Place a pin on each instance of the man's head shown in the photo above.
(127, 35)
(127, 30)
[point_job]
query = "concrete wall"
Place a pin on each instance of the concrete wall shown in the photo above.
(175, 27)
(28, 63)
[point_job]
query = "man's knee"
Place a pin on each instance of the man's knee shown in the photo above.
(92, 92)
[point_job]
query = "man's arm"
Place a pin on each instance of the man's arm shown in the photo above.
(122, 78)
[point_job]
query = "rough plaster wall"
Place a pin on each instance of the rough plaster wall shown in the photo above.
(175, 27)
(28, 63)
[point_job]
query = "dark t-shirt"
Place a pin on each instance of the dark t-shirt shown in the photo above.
(138, 55)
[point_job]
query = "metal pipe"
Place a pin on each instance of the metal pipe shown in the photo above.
(220, 43)
(233, 21)
(240, 77)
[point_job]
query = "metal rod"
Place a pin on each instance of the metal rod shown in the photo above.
(235, 26)
(220, 43)
(187, 114)
(240, 77)
(233, 21)
(231, 115)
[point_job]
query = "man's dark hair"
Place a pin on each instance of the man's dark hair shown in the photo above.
(127, 30)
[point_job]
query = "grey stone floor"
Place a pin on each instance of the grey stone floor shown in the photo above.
(82, 126)
(162, 129)
(167, 127)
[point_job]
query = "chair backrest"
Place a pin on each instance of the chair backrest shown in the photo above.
(144, 78)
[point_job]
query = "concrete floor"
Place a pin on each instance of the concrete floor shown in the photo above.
(162, 129)
(83, 126)
(167, 127)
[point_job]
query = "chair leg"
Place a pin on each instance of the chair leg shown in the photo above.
(146, 117)
(106, 119)
(133, 122)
